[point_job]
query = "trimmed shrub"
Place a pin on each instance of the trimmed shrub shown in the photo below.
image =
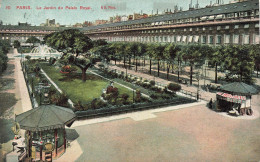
(62, 100)
(152, 82)
(78, 106)
(120, 101)
(153, 88)
(28, 57)
(165, 96)
(124, 96)
(112, 90)
(155, 96)
(52, 91)
(174, 87)
(138, 96)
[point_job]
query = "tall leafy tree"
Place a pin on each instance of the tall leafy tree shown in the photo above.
(82, 62)
(239, 61)
(4, 48)
(170, 53)
(132, 50)
(254, 50)
(150, 53)
(216, 58)
(69, 41)
(73, 43)
(142, 49)
(192, 55)
(16, 44)
(179, 57)
(33, 40)
(158, 55)
(99, 42)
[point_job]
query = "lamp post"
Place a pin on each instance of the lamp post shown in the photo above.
(126, 72)
(198, 90)
(205, 70)
(133, 96)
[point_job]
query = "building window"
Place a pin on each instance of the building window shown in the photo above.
(218, 40)
(235, 38)
(196, 39)
(227, 39)
(246, 26)
(257, 25)
(184, 38)
(203, 39)
(190, 39)
(256, 39)
(175, 39)
(236, 26)
(203, 28)
(169, 38)
(257, 12)
(218, 27)
(246, 39)
(227, 27)
(161, 39)
(178, 38)
(165, 39)
(211, 39)
(190, 29)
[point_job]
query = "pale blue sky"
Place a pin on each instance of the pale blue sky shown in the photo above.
(67, 17)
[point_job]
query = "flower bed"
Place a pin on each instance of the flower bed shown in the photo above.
(38, 85)
(155, 90)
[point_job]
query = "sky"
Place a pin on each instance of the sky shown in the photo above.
(10, 14)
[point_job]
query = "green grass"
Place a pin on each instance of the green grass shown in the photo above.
(77, 90)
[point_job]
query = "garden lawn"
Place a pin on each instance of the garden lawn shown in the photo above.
(77, 90)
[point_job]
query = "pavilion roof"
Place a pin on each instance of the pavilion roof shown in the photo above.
(46, 117)
(239, 88)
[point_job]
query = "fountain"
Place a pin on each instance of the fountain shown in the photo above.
(43, 51)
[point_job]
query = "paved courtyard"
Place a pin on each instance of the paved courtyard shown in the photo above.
(189, 134)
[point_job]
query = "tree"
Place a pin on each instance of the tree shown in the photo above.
(150, 52)
(3, 61)
(105, 52)
(33, 40)
(170, 53)
(72, 43)
(121, 48)
(83, 63)
(192, 55)
(4, 48)
(179, 55)
(69, 41)
(216, 58)
(132, 49)
(142, 49)
(239, 61)
(116, 49)
(254, 50)
(99, 42)
(158, 55)
(16, 44)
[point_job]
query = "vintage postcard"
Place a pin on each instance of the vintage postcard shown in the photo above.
(129, 80)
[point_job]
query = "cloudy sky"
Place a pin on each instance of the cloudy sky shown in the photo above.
(36, 16)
